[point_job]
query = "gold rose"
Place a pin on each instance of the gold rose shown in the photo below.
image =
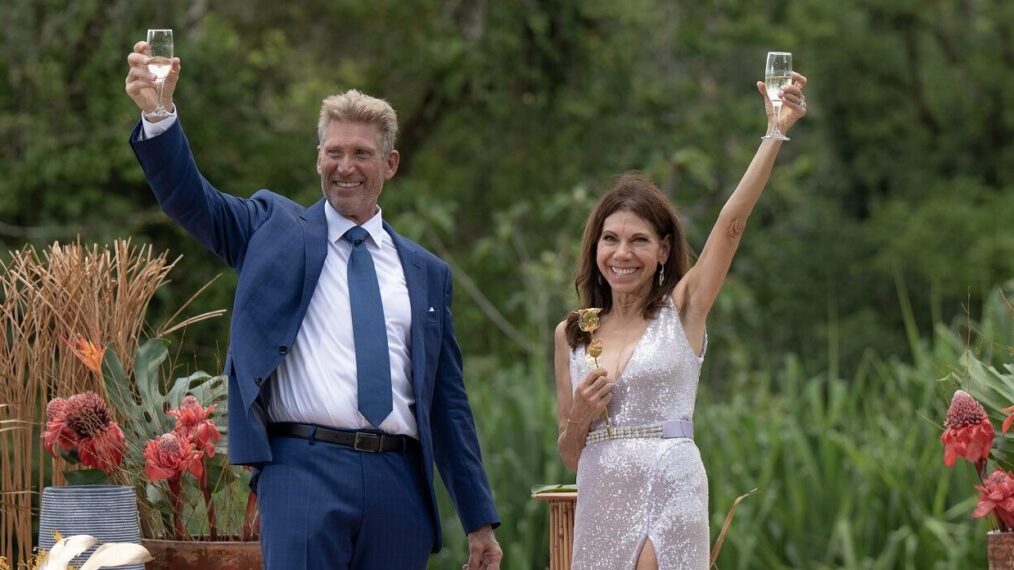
(588, 321)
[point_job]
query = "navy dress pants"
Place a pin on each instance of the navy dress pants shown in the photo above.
(327, 506)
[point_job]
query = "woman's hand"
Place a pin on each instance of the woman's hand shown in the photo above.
(591, 398)
(793, 103)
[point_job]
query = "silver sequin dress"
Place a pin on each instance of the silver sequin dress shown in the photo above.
(634, 489)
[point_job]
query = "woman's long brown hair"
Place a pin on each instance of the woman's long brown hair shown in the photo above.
(635, 193)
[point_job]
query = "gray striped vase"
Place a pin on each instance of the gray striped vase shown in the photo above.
(107, 512)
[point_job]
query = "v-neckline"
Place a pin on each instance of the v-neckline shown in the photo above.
(633, 353)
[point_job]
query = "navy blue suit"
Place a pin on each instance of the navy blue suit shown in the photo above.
(278, 247)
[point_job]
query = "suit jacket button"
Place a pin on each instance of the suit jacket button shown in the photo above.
(259, 381)
(283, 349)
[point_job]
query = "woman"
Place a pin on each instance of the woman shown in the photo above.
(644, 492)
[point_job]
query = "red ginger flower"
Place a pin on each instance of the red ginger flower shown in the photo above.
(192, 422)
(86, 414)
(171, 455)
(84, 421)
(89, 353)
(57, 432)
(55, 409)
(968, 432)
(103, 450)
(997, 497)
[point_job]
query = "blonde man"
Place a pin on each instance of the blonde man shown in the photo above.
(345, 382)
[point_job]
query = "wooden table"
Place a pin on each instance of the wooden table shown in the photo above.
(561, 528)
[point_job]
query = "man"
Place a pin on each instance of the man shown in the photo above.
(345, 380)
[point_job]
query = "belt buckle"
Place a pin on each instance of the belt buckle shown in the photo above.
(367, 437)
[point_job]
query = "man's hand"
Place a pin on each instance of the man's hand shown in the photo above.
(483, 550)
(140, 83)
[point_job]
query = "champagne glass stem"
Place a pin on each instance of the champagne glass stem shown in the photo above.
(160, 108)
(778, 117)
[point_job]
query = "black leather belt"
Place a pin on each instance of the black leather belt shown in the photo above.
(370, 442)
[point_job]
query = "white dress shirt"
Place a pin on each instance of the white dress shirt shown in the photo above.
(152, 130)
(316, 382)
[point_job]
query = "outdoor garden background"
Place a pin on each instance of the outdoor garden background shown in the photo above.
(874, 260)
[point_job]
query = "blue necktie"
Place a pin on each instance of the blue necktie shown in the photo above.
(373, 361)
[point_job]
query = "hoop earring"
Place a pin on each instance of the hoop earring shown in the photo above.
(661, 275)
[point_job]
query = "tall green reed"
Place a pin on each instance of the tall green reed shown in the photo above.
(849, 473)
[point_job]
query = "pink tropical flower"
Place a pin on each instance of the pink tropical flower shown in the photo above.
(192, 422)
(57, 435)
(997, 496)
(170, 456)
(968, 432)
(83, 421)
(104, 450)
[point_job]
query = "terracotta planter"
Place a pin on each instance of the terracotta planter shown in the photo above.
(203, 555)
(1000, 546)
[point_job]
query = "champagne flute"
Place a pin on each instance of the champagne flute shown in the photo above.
(160, 46)
(777, 75)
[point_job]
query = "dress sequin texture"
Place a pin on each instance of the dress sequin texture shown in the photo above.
(638, 488)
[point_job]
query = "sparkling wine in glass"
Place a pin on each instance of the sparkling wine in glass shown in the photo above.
(777, 75)
(160, 46)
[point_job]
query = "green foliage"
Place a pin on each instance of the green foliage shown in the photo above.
(145, 412)
(903, 166)
(850, 471)
(143, 401)
(513, 118)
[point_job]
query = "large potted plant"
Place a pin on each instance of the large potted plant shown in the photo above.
(72, 320)
(46, 298)
(201, 512)
(987, 396)
(171, 438)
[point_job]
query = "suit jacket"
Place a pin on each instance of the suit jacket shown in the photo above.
(277, 247)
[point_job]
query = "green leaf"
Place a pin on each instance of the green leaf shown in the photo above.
(206, 388)
(70, 457)
(150, 357)
(117, 386)
(154, 493)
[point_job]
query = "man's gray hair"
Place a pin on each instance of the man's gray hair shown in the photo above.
(354, 106)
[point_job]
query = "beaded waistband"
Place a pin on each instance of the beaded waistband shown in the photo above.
(664, 430)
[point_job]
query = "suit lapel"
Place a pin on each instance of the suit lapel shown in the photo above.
(416, 282)
(314, 225)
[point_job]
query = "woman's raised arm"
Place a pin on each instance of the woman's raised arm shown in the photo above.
(697, 291)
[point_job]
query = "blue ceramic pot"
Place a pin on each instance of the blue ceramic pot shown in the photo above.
(107, 512)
